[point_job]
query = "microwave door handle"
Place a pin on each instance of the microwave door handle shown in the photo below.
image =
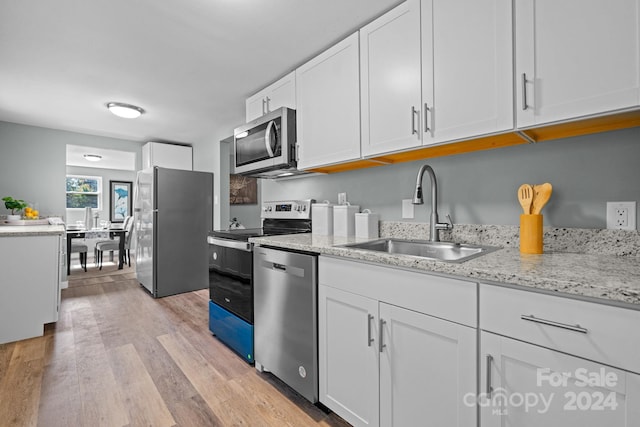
(267, 137)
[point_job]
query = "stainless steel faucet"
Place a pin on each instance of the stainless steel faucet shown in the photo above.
(434, 225)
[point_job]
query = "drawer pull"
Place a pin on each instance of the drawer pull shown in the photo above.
(575, 328)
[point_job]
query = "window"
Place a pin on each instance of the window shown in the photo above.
(84, 192)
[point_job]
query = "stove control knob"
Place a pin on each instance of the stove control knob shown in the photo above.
(270, 208)
(304, 208)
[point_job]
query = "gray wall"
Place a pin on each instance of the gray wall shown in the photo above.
(248, 215)
(33, 163)
(480, 187)
(210, 155)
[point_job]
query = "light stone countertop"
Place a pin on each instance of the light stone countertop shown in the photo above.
(602, 278)
(30, 230)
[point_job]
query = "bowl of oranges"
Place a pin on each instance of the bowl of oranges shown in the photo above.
(30, 213)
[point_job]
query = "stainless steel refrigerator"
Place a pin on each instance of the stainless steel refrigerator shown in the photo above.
(173, 213)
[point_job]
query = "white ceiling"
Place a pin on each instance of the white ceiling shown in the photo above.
(190, 63)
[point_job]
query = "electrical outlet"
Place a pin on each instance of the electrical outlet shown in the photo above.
(621, 215)
(342, 198)
(407, 209)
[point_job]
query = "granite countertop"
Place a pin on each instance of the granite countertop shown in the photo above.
(602, 278)
(30, 230)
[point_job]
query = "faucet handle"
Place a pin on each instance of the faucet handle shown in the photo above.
(450, 223)
(444, 225)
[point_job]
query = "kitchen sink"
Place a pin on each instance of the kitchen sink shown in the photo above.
(442, 251)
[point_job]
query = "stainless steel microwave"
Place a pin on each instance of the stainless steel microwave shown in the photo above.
(266, 147)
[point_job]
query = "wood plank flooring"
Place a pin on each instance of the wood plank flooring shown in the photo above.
(118, 357)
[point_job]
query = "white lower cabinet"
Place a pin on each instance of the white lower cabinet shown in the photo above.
(427, 365)
(552, 361)
(348, 361)
(29, 296)
(404, 348)
(526, 385)
(385, 365)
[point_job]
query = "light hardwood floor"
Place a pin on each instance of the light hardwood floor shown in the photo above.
(118, 357)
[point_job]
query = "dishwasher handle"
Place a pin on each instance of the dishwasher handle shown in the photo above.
(283, 268)
(282, 262)
(279, 266)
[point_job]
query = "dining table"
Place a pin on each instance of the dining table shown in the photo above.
(97, 233)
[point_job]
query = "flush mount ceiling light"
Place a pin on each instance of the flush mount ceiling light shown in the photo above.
(93, 157)
(126, 111)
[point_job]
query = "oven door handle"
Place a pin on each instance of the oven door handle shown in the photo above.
(233, 244)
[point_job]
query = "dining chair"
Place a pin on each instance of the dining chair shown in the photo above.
(114, 245)
(81, 249)
(125, 222)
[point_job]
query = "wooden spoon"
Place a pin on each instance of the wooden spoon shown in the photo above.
(525, 197)
(541, 195)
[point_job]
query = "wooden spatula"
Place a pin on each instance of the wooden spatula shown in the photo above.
(525, 197)
(541, 195)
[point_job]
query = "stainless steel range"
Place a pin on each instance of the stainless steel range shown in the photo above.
(231, 281)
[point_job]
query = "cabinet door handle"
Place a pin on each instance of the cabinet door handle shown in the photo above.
(414, 112)
(267, 99)
(264, 106)
(489, 386)
(427, 128)
(575, 328)
(382, 344)
(524, 91)
(369, 338)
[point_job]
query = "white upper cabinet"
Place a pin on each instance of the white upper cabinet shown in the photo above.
(467, 68)
(170, 156)
(575, 58)
(328, 101)
(279, 94)
(390, 80)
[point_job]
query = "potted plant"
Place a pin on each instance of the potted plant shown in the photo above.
(14, 206)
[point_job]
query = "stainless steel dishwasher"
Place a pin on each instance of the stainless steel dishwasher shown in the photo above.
(285, 317)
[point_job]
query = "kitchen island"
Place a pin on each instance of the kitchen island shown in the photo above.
(31, 264)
